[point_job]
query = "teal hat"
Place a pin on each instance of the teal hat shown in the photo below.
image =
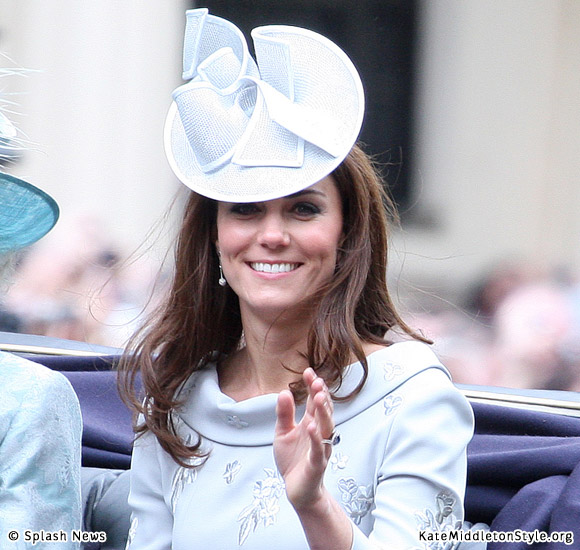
(26, 213)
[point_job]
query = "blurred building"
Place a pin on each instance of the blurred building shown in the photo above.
(491, 168)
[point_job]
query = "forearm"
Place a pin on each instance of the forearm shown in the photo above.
(326, 525)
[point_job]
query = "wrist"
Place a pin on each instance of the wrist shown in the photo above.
(325, 523)
(318, 506)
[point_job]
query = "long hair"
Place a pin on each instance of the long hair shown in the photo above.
(199, 318)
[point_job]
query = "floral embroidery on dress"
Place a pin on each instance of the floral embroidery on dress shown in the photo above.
(440, 521)
(265, 507)
(392, 370)
(132, 531)
(357, 499)
(182, 477)
(56, 463)
(392, 403)
(232, 469)
(236, 421)
(445, 504)
(338, 461)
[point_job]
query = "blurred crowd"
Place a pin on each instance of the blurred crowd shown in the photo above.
(74, 284)
(520, 326)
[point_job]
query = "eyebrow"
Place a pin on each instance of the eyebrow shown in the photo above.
(306, 192)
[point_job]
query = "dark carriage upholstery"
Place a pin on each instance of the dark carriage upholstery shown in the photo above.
(107, 432)
(524, 472)
(523, 465)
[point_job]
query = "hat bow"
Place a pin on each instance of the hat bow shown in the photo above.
(234, 110)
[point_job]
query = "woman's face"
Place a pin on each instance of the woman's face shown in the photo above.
(275, 254)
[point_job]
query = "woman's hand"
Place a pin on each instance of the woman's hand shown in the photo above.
(301, 457)
(300, 454)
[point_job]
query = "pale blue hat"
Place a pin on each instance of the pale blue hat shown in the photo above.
(26, 213)
(245, 130)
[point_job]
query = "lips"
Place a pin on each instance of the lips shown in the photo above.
(262, 267)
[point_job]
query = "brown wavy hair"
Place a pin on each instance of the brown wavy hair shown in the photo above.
(199, 318)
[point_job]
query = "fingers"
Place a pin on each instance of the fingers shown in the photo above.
(284, 412)
(319, 453)
(318, 417)
(319, 407)
(318, 393)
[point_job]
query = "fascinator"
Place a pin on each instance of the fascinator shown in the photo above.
(26, 212)
(245, 130)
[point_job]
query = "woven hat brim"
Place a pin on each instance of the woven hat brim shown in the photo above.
(26, 213)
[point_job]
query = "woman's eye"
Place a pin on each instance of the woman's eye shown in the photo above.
(306, 209)
(244, 209)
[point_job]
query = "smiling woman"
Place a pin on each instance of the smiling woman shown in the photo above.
(272, 338)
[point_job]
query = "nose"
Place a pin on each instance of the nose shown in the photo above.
(273, 232)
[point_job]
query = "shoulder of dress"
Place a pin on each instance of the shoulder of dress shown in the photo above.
(205, 374)
(391, 366)
(409, 351)
(389, 370)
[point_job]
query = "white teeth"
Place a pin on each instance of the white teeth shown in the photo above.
(273, 268)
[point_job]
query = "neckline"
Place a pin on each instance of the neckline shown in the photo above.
(218, 418)
(379, 349)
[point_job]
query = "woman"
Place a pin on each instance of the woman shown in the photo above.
(272, 339)
(40, 417)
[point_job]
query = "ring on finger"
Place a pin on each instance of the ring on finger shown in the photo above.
(333, 440)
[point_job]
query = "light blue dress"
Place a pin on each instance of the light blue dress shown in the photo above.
(399, 469)
(40, 449)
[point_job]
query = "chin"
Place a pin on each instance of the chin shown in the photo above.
(280, 310)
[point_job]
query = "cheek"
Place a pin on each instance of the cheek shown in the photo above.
(324, 243)
(335, 235)
(230, 236)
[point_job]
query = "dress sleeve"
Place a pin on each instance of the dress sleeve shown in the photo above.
(152, 520)
(421, 481)
(40, 456)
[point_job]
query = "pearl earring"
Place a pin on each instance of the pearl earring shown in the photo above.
(222, 280)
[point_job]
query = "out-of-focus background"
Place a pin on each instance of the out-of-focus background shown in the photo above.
(473, 108)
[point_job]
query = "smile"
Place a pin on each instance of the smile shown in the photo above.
(273, 268)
